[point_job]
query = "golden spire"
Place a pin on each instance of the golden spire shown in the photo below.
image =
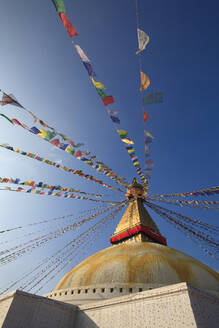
(136, 224)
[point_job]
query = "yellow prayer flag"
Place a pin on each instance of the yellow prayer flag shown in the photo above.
(145, 81)
(68, 149)
(146, 148)
(128, 141)
(42, 133)
(97, 85)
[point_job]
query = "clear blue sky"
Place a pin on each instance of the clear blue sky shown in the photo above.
(39, 65)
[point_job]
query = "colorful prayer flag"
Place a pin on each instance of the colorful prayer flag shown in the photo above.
(153, 98)
(112, 112)
(9, 99)
(89, 69)
(7, 118)
(128, 141)
(68, 25)
(59, 5)
(108, 100)
(101, 93)
(145, 116)
(115, 119)
(34, 130)
(98, 85)
(143, 40)
(122, 134)
(145, 81)
(148, 134)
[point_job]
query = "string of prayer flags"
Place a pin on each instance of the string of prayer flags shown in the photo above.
(70, 147)
(201, 224)
(143, 40)
(39, 241)
(203, 192)
(56, 219)
(145, 81)
(43, 185)
(152, 98)
(62, 167)
(60, 8)
(194, 204)
(53, 193)
(11, 100)
(187, 230)
(107, 100)
(83, 239)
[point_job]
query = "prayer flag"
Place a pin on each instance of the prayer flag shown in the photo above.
(34, 130)
(145, 81)
(82, 54)
(148, 134)
(143, 40)
(145, 116)
(89, 69)
(149, 162)
(128, 141)
(148, 140)
(146, 148)
(43, 124)
(78, 154)
(112, 112)
(55, 142)
(122, 134)
(49, 135)
(101, 93)
(15, 121)
(9, 99)
(60, 7)
(115, 119)
(98, 85)
(108, 100)
(68, 25)
(42, 133)
(63, 146)
(153, 98)
(7, 118)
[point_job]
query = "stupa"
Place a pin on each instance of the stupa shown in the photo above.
(138, 260)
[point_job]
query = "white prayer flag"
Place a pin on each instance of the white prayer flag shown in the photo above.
(143, 40)
(81, 54)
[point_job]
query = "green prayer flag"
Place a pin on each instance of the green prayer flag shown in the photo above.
(60, 7)
(101, 93)
(7, 118)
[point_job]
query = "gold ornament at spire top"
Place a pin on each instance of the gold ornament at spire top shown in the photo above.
(135, 190)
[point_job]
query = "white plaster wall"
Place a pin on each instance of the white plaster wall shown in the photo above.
(166, 307)
(5, 302)
(31, 311)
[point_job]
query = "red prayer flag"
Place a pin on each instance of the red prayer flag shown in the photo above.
(108, 100)
(68, 25)
(145, 116)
